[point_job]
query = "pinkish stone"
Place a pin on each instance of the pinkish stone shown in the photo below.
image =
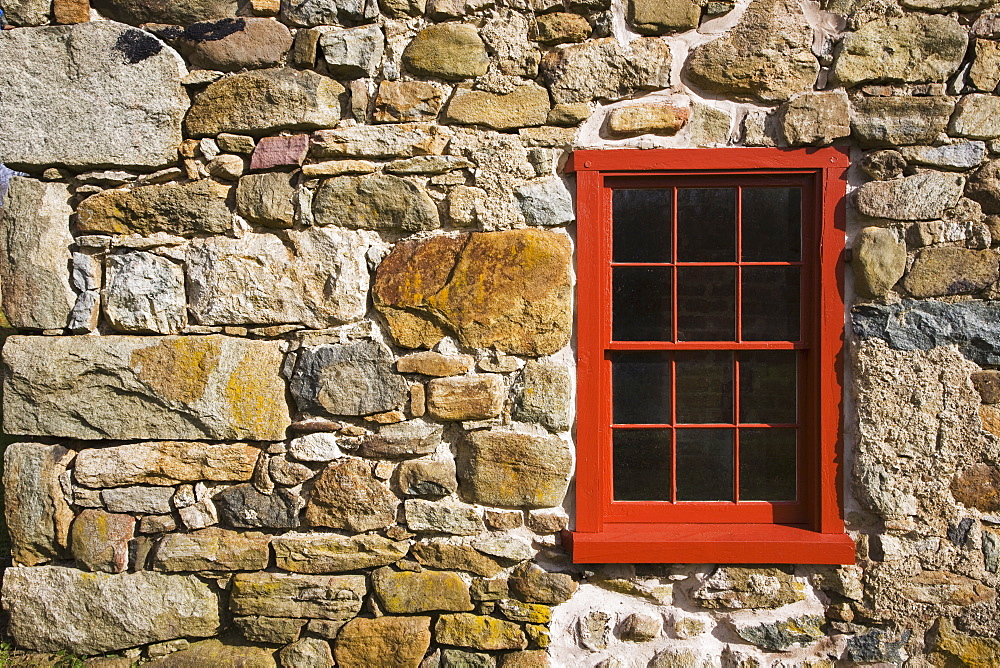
(280, 152)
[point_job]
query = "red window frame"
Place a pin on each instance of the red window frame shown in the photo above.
(810, 530)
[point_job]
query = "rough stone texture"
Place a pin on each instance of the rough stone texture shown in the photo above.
(560, 28)
(23, 13)
(179, 209)
(603, 69)
(100, 613)
(507, 290)
(446, 555)
(460, 658)
(534, 658)
(212, 550)
(509, 469)
(318, 278)
(735, 587)
(987, 383)
(427, 477)
(639, 627)
(893, 121)
(326, 12)
(782, 635)
(215, 653)
(442, 517)
(144, 294)
(976, 117)
(89, 95)
(527, 105)
(230, 46)
(923, 196)
(545, 395)
(984, 187)
(546, 203)
(379, 142)
(392, 642)
(34, 252)
(403, 592)
(267, 199)
(264, 101)
(883, 165)
(377, 202)
(467, 630)
(466, 397)
(447, 51)
(333, 553)
(306, 653)
(910, 48)
(434, 364)
(345, 496)
(658, 119)
(879, 261)
(958, 157)
(978, 487)
(533, 585)
(142, 500)
(174, 12)
(767, 56)
(399, 101)
(984, 73)
(37, 516)
(403, 439)
(349, 379)
(951, 647)
(652, 17)
(939, 272)
(816, 118)
(353, 52)
(243, 506)
(164, 463)
(293, 595)
(275, 630)
(283, 151)
(120, 387)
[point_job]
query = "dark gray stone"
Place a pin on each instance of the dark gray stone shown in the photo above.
(922, 325)
(782, 635)
(876, 646)
(351, 379)
(244, 507)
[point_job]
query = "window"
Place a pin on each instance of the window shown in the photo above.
(710, 329)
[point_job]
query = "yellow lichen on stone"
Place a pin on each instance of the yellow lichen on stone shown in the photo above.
(252, 401)
(178, 367)
(952, 649)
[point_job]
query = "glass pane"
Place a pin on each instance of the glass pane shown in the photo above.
(706, 303)
(767, 387)
(640, 384)
(767, 464)
(704, 464)
(704, 387)
(772, 224)
(770, 304)
(642, 465)
(706, 224)
(641, 308)
(642, 225)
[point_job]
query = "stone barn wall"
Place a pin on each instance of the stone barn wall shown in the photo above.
(290, 285)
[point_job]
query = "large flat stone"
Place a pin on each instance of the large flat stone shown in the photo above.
(144, 293)
(34, 253)
(478, 632)
(346, 496)
(174, 12)
(895, 121)
(244, 507)
(447, 51)
(231, 45)
(946, 271)
(389, 642)
(333, 553)
(510, 469)
(923, 196)
(38, 517)
(56, 609)
(319, 278)
(87, 95)
(264, 101)
(524, 106)
(767, 56)
(164, 463)
(212, 550)
(603, 69)
(976, 117)
(405, 592)
(379, 141)
(120, 387)
(181, 209)
(292, 595)
(214, 652)
(377, 202)
(347, 379)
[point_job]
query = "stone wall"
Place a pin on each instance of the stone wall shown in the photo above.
(289, 289)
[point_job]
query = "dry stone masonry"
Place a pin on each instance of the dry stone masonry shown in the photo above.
(288, 297)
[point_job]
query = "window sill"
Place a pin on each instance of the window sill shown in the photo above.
(709, 544)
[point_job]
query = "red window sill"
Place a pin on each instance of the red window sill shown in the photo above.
(709, 544)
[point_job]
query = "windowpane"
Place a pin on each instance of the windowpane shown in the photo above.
(642, 225)
(772, 224)
(704, 464)
(706, 224)
(767, 464)
(706, 303)
(641, 465)
(704, 387)
(640, 384)
(768, 381)
(770, 304)
(641, 309)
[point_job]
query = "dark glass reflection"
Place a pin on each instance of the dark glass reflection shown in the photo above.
(641, 306)
(767, 464)
(640, 383)
(767, 386)
(772, 224)
(706, 224)
(704, 386)
(641, 464)
(704, 464)
(642, 225)
(770, 304)
(706, 303)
